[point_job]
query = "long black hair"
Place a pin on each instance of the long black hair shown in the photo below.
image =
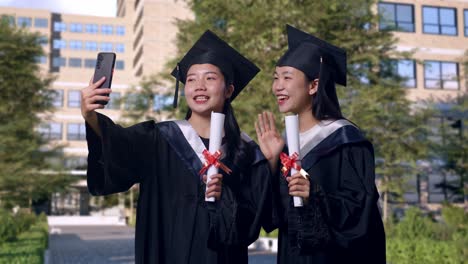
(325, 104)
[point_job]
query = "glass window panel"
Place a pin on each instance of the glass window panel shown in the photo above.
(431, 29)
(120, 65)
(75, 44)
(58, 98)
(161, 101)
(114, 102)
(74, 62)
(387, 12)
(447, 16)
(106, 46)
(41, 59)
(58, 62)
(448, 30)
(406, 68)
(406, 27)
(90, 63)
(120, 47)
(76, 132)
(432, 70)
(430, 15)
(59, 44)
(449, 69)
(450, 85)
(404, 13)
(75, 27)
(41, 22)
(120, 30)
(60, 27)
(74, 99)
(107, 29)
(91, 46)
(432, 84)
(92, 28)
(24, 21)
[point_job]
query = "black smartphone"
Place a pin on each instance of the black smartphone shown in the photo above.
(104, 67)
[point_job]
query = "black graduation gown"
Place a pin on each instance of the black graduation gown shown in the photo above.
(341, 222)
(174, 223)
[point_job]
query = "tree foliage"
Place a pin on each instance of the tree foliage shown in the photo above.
(25, 95)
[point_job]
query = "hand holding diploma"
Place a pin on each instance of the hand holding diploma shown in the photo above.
(213, 156)
(292, 162)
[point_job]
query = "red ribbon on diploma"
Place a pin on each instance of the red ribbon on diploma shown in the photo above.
(289, 162)
(213, 160)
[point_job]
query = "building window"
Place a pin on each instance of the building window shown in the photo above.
(59, 44)
(466, 22)
(8, 19)
(119, 65)
(74, 62)
(114, 102)
(90, 63)
(76, 131)
(105, 46)
(92, 28)
(76, 27)
(120, 30)
(107, 29)
(398, 17)
(74, 99)
(120, 47)
(439, 20)
(24, 21)
(51, 131)
(58, 62)
(41, 22)
(76, 163)
(404, 69)
(43, 40)
(75, 44)
(91, 45)
(441, 75)
(161, 102)
(60, 27)
(41, 59)
(57, 98)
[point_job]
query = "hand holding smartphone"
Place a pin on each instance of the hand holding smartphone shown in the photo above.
(104, 68)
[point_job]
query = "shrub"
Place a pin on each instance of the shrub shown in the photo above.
(8, 228)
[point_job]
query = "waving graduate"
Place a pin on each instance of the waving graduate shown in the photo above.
(174, 222)
(340, 221)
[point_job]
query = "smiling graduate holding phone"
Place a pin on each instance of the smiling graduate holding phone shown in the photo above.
(174, 222)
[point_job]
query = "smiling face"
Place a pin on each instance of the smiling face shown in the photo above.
(293, 90)
(205, 89)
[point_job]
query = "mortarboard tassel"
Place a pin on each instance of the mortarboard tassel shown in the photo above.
(176, 95)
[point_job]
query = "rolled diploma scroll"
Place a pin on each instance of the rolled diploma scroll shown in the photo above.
(216, 136)
(292, 135)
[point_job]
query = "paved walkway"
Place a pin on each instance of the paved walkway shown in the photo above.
(91, 244)
(105, 244)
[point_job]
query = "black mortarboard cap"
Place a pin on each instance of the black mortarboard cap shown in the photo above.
(314, 56)
(209, 48)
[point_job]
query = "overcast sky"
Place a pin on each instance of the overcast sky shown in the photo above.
(83, 7)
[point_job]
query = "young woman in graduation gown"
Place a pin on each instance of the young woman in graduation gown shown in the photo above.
(174, 222)
(340, 221)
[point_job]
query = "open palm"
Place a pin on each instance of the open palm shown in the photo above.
(270, 141)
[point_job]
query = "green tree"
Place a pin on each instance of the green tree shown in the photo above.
(23, 155)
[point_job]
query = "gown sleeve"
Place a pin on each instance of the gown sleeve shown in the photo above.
(341, 216)
(245, 208)
(117, 160)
